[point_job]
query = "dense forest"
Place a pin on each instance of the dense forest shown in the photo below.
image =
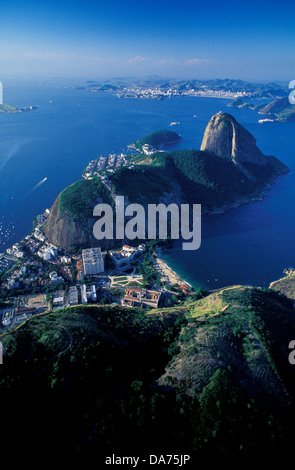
(78, 199)
(206, 378)
(202, 177)
(158, 138)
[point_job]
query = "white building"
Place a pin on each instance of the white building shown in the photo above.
(125, 255)
(44, 254)
(148, 149)
(55, 278)
(39, 235)
(58, 299)
(93, 293)
(93, 262)
(47, 252)
(73, 295)
(84, 294)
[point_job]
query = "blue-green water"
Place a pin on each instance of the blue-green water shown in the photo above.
(249, 245)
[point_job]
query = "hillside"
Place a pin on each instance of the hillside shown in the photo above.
(229, 154)
(199, 176)
(208, 375)
(286, 285)
(240, 103)
(279, 109)
(71, 221)
(158, 139)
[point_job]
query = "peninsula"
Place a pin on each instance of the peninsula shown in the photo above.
(126, 367)
(228, 153)
(277, 110)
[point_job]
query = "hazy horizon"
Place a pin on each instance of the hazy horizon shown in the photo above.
(95, 40)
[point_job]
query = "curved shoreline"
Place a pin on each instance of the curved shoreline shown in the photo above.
(173, 276)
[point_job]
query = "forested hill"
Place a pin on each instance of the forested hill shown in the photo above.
(202, 176)
(158, 139)
(228, 171)
(206, 376)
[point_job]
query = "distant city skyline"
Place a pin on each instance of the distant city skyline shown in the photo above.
(188, 39)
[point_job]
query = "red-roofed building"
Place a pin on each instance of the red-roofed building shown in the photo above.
(135, 297)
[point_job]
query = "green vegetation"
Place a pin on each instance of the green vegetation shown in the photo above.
(287, 114)
(286, 285)
(204, 376)
(144, 183)
(157, 139)
(240, 103)
(83, 369)
(184, 176)
(78, 199)
(202, 176)
(279, 109)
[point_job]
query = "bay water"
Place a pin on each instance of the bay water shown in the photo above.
(44, 150)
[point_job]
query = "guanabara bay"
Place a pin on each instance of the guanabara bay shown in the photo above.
(202, 373)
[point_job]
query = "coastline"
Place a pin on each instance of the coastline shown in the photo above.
(168, 273)
(257, 196)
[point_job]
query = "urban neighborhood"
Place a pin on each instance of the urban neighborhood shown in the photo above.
(37, 277)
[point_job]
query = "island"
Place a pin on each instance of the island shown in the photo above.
(8, 109)
(240, 103)
(156, 140)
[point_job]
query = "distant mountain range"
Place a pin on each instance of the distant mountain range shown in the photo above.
(248, 89)
(278, 110)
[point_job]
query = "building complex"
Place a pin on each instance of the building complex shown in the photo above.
(136, 297)
(93, 261)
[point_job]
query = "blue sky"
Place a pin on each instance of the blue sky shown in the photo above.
(178, 39)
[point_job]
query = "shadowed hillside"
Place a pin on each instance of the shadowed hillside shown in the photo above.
(206, 375)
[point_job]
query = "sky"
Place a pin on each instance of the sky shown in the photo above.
(250, 40)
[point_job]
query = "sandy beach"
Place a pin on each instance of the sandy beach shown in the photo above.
(167, 274)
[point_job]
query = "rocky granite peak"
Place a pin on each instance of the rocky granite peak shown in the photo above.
(228, 139)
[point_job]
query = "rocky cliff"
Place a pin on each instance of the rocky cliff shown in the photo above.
(70, 223)
(67, 233)
(228, 139)
(228, 171)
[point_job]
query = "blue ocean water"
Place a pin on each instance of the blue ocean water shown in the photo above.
(249, 245)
